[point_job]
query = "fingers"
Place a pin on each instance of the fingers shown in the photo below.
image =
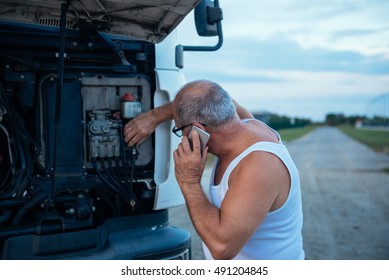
(189, 164)
(185, 149)
(196, 144)
(184, 146)
(132, 136)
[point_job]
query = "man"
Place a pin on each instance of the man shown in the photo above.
(255, 210)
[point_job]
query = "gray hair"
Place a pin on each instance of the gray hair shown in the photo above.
(205, 102)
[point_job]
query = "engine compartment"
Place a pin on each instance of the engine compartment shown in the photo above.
(64, 166)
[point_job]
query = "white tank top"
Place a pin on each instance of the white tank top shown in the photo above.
(279, 234)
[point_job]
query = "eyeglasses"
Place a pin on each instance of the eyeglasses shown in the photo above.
(178, 130)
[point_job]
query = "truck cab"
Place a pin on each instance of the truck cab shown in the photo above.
(72, 73)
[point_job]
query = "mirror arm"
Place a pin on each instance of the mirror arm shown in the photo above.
(208, 48)
(215, 16)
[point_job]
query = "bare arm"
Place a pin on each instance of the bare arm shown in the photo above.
(142, 126)
(243, 113)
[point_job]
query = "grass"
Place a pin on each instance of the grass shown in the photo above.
(378, 140)
(289, 134)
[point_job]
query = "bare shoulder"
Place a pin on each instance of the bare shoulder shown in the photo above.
(260, 165)
(262, 176)
(265, 132)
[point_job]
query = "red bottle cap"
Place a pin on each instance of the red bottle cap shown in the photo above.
(128, 97)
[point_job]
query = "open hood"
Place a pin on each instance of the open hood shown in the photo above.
(150, 20)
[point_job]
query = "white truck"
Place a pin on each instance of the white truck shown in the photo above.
(71, 74)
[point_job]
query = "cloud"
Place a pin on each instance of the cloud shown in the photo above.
(313, 23)
(278, 54)
(298, 57)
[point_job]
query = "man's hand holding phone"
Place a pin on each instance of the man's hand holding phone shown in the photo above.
(203, 136)
(190, 158)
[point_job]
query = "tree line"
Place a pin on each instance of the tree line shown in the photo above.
(333, 119)
(281, 121)
(340, 119)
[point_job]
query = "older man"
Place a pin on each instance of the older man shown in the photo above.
(255, 210)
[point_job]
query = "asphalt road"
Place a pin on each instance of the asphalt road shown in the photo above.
(345, 196)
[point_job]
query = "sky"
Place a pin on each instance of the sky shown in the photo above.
(299, 58)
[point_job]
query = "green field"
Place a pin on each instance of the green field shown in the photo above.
(378, 140)
(290, 134)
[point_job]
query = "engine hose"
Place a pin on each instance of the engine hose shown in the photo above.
(133, 158)
(27, 178)
(109, 170)
(39, 198)
(21, 149)
(102, 178)
(117, 166)
(19, 158)
(110, 176)
(16, 157)
(133, 198)
(19, 145)
(123, 157)
(12, 203)
(124, 163)
(22, 173)
(18, 182)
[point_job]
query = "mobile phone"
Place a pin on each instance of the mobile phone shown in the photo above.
(204, 137)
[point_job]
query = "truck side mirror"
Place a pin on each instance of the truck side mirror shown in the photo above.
(206, 18)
